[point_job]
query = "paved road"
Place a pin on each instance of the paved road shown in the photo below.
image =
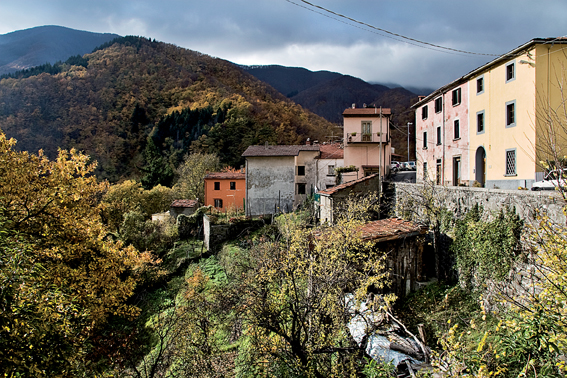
(403, 176)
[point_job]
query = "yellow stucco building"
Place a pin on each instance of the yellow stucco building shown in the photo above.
(517, 115)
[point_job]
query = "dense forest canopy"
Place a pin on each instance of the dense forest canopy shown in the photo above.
(134, 101)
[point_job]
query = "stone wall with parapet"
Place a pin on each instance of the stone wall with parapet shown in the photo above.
(460, 199)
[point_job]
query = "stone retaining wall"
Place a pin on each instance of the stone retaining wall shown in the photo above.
(460, 199)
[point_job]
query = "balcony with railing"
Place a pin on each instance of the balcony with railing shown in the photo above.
(376, 137)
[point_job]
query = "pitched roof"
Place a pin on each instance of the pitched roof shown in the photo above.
(366, 112)
(184, 203)
(226, 176)
(340, 187)
(391, 229)
(278, 150)
(332, 151)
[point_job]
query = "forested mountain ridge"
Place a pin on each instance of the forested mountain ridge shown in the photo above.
(327, 93)
(133, 88)
(23, 49)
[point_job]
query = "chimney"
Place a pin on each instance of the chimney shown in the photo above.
(419, 98)
(364, 105)
(354, 106)
(308, 142)
(241, 169)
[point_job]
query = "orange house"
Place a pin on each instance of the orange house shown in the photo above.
(225, 190)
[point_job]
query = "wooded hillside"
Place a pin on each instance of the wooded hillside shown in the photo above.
(133, 88)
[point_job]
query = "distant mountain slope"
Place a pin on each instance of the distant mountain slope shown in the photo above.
(27, 48)
(326, 93)
(137, 106)
(291, 80)
(332, 97)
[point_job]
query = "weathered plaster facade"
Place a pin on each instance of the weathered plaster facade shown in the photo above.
(332, 156)
(331, 199)
(442, 136)
(279, 178)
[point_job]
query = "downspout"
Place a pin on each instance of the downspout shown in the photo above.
(246, 203)
(443, 142)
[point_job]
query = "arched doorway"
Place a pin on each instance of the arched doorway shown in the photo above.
(480, 166)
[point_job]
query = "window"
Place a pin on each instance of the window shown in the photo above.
(438, 173)
(218, 203)
(366, 131)
(511, 71)
(511, 113)
(438, 104)
(480, 122)
(456, 129)
(217, 185)
(438, 135)
(425, 140)
(331, 170)
(424, 112)
(480, 85)
(300, 188)
(233, 185)
(301, 170)
(511, 162)
(456, 171)
(425, 170)
(456, 96)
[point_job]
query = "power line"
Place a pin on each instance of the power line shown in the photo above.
(396, 36)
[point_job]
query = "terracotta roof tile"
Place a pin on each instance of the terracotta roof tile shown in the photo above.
(226, 176)
(332, 151)
(337, 188)
(390, 229)
(278, 150)
(184, 203)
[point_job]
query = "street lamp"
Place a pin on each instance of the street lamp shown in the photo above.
(409, 124)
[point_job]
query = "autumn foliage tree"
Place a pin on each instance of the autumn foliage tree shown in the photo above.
(296, 297)
(61, 277)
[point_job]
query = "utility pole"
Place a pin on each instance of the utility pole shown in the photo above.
(380, 171)
(409, 124)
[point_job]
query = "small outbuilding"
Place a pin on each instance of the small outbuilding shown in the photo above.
(183, 206)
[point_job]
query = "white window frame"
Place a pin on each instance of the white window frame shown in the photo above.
(515, 168)
(509, 103)
(483, 113)
(480, 78)
(513, 65)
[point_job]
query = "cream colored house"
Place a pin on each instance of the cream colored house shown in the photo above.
(515, 119)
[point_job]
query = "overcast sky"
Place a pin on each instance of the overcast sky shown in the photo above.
(279, 32)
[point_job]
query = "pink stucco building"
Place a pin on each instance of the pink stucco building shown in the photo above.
(442, 135)
(367, 141)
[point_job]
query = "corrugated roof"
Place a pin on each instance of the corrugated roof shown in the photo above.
(226, 176)
(340, 187)
(332, 151)
(278, 150)
(390, 229)
(184, 203)
(366, 112)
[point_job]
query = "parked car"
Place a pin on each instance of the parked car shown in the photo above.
(404, 166)
(412, 165)
(553, 179)
(394, 166)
